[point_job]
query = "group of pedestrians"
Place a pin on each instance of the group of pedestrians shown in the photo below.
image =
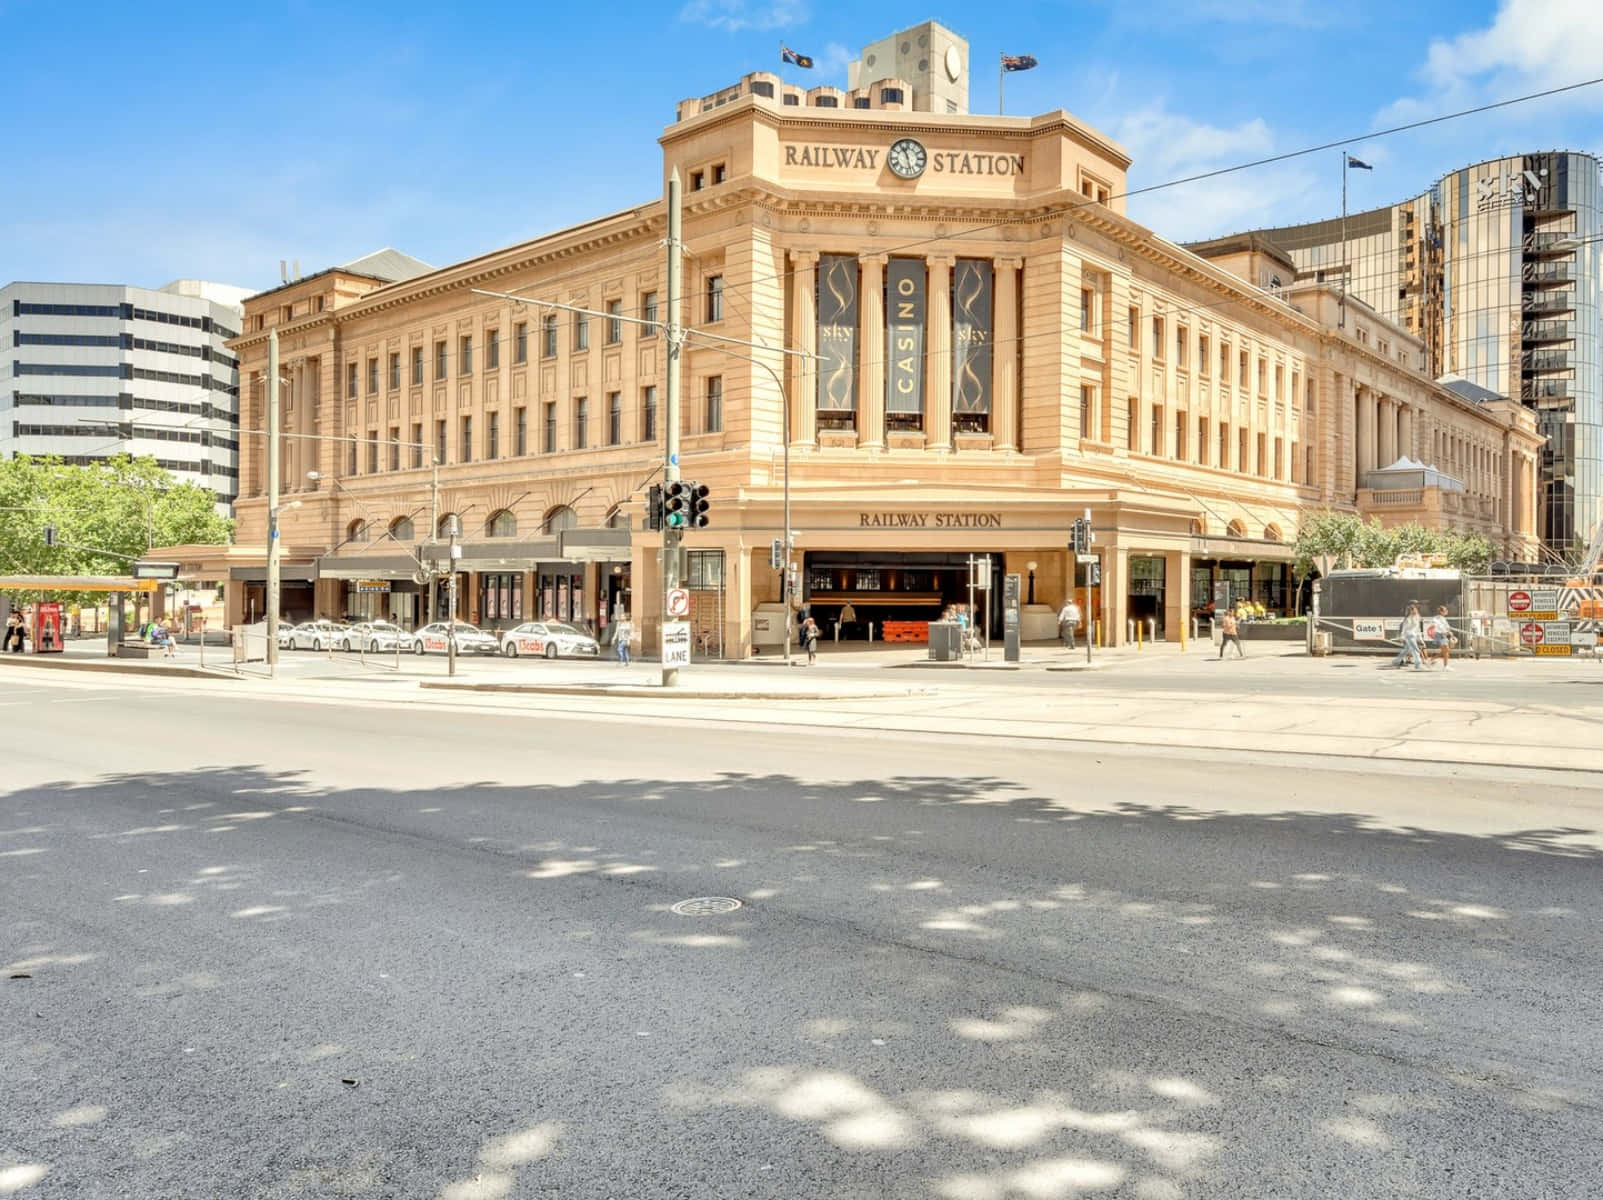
(1420, 636)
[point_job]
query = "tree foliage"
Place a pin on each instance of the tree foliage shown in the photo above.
(1359, 543)
(104, 515)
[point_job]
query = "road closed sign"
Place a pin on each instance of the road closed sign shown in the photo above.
(1532, 633)
(1519, 602)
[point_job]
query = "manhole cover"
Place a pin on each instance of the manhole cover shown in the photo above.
(706, 906)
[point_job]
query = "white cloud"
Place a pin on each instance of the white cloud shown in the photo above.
(1166, 146)
(735, 15)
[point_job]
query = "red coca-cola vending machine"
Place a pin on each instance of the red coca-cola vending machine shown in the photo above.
(47, 628)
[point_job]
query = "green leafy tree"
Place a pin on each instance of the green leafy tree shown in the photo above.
(1357, 542)
(104, 515)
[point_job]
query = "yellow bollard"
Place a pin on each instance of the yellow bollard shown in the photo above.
(1138, 644)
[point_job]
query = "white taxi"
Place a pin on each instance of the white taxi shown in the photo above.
(373, 637)
(550, 638)
(318, 635)
(435, 638)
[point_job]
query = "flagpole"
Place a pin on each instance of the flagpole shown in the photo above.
(1001, 87)
(1341, 321)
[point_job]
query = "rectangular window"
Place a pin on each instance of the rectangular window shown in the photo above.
(417, 446)
(1180, 334)
(520, 432)
(1280, 450)
(1087, 392)
(698, 180)
(1132, 425)
(648, 312)
(1241, 453)
(1157, 430)
(439, 442)
(1157, 337)
(492, 349)
(1180, 424)
(372, 453)
(715, 299)
(715, 404)
(1263, 463)
(352, 461)
(395, 370)
(1242, 378)
(395, 449)
(614, 324)
(1308, 466)
(464, 358)
(520, 342)
(464, 447)
(1263, 377)
(648, 414)
(1203, 363)
(1223, 460)
(719, 173)
(439, 361)
(492, 436)
(581, 423)
(1135, 329)
(549, 444)
(417, 366)
(548, 336)
(1087, 299)
(1280, 380)
(372, 377)
(1202, 427)
(1224, 363)
(581, 331)
(350, 381)
(614, 418)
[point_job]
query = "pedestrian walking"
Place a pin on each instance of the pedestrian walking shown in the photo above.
(809, 640)
(1439, 634)
(16, 632)
(848, 616)
(1413, 632)
(1230, 632)
(1068, 622)
(623, 633)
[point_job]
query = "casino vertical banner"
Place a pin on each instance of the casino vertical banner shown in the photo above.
(972, 297)
(906, 301)
(837, 333)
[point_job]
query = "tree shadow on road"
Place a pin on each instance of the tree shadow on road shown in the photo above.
(953, 988)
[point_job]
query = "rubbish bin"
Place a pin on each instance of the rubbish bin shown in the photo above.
(946, 641)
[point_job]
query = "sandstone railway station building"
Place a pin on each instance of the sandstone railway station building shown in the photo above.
(999, 348)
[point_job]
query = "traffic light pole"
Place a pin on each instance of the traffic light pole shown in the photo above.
(672, 538)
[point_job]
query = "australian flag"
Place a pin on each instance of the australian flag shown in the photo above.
(1018, 62)
(805, 61)
(1358, 163)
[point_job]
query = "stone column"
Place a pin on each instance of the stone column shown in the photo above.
(1388, 430)
(1176, 594)
(1405, 430)
(871, 356)
(938, 370)
(1364, 402)
(804, 337)
(1005, 356)
(1115, 594)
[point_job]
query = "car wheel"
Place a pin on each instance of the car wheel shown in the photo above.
(317, 646)
(346, 645)
(417, 648)
(551, 650)
(511, 650)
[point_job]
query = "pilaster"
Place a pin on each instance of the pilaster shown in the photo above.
(1005, 356)
(871, 356)
(804, 337)
(938, 388)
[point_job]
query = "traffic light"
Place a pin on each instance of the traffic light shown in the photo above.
(654, 510)
(776, 554)
(699, 505)
(676, 504)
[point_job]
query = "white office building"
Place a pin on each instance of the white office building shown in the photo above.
(98, 370)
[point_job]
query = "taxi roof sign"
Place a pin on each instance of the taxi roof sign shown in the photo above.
(155, 570)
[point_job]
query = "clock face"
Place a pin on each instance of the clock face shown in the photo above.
(907, 158)
(954, 63)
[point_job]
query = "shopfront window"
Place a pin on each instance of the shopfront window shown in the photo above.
(501, 597)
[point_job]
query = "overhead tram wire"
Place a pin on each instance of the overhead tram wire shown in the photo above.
(1270, 160)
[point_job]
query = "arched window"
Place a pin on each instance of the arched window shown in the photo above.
(501, 524)
(1199, 527)
(356, 531)
(401, 529)
(448, 522)
(1236, 530)
(1271, 533)
(559, 518)
(618, 519)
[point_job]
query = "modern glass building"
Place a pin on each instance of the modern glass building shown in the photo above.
(1498, 268)
(98, 370)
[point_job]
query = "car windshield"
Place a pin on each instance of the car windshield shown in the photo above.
(463, 629)
(558, 627)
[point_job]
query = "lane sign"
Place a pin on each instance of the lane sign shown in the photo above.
(676, 643)
(678, 602)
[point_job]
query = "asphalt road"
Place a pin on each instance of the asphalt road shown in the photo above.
(276, 950)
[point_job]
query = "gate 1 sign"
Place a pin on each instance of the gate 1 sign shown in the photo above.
(1369, 631)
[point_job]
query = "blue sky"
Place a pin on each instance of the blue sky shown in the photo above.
(147, 143)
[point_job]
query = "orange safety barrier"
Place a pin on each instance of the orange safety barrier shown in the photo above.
(906, 631)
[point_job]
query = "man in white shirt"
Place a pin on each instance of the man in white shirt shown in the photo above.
(1068, 622)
